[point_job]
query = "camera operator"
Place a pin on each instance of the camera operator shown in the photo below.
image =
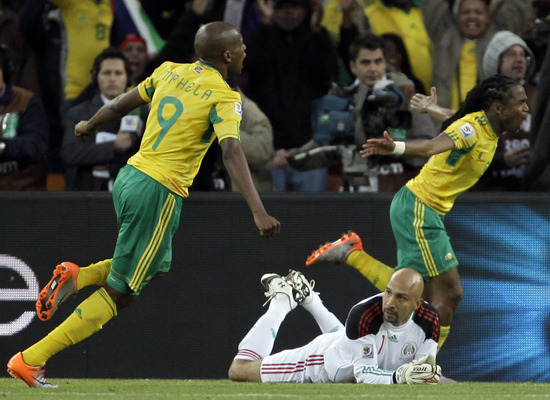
(378, 100)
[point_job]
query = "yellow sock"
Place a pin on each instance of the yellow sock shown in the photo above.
(377, 273)
(94, 274)
(443, 334)
(88, 318)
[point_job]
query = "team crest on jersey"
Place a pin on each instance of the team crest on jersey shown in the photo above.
(367, 351)
(467, 130)
(238, 108)
(409, 349)
(198, 69)
(448, 256)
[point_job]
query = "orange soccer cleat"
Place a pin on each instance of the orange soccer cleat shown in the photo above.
(58, 289)
(338, 251)
(33, 376)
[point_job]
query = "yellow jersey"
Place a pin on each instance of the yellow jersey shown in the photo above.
(466, 77)
(191, 105)
(410, 27)
(88, 31)
(447, 175)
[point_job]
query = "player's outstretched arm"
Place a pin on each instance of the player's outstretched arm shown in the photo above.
(237, 166)
(112, 111)
(418, 148)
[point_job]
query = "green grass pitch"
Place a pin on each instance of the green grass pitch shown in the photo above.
(158, 389)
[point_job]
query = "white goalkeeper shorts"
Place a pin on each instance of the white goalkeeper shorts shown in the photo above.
(305, 364)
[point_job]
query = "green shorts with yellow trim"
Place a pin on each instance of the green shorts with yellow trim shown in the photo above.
(422, 241)
(148, 216)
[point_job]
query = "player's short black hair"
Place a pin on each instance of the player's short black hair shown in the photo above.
(492, 89)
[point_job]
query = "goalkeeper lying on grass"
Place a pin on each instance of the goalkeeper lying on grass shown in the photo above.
(388, 338)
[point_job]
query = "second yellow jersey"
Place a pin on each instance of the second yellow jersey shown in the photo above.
(447, 175)
(409, 26)
(191, 105)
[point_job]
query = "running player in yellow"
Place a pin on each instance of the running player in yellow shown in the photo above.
(191, 106)
(458, 158)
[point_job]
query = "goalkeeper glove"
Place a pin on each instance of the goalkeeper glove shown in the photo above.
(415, 373)
(427, 359)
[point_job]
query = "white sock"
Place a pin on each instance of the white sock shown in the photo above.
(326, 320)
(258, 342)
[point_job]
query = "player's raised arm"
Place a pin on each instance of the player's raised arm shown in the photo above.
(237, 166)
(418, 148)
(112, 111)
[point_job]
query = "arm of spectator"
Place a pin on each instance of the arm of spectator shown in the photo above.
(512, 15)
(31, 23)
(515, 158)
(256, 135)
(316, 15)
(179, 45)
(280, 158)
(267, 9)
(437, 17)
(322, 60)
(347, 34)
(32, 141)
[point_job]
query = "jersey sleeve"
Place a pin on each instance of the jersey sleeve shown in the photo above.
(427, 318)
(463, 134)
(226, 116)
(365, 318)
(365, 366)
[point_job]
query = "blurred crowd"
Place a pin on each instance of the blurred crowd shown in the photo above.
(320, 77)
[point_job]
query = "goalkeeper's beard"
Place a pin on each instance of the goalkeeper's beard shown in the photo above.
(390, 316)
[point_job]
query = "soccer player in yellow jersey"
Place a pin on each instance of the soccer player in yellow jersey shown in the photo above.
(458, 158)
(191, 106)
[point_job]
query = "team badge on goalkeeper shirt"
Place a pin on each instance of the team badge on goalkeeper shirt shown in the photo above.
(367, 351)
(409, 349)
(467, 130)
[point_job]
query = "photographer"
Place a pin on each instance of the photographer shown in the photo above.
(375, 102)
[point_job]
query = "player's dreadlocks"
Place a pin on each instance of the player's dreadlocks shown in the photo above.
(482, 96)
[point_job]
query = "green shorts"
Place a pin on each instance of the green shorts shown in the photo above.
(148, 216)
(422, 241)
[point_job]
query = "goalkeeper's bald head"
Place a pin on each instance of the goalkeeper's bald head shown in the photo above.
(410, 280)
(403, 296)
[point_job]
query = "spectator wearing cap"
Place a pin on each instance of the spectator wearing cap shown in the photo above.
(134, 49)
(508, 54)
